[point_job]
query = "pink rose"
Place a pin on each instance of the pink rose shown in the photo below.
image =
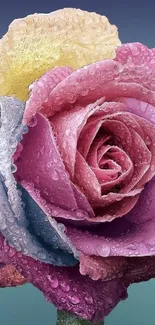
(86, 171)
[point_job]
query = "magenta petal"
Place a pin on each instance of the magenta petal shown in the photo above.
(41, 164)
(133, 235)
(66, 288)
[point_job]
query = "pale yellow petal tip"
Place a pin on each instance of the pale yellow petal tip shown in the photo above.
(39, 42)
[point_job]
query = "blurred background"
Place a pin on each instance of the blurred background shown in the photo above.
(136, 22)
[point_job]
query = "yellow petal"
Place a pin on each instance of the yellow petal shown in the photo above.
(39, 42)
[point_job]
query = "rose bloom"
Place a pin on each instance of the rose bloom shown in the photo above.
(77, 161)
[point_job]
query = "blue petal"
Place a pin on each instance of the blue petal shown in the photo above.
(49, 233)
(13, 220)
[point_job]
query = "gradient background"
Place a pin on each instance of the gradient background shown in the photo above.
(136, 22)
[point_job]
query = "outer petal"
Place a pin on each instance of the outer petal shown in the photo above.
(40, 90)
(132, 235)
(102, 268)
(13, 222)
(41, 164)
(39, 42)
(11, 132)
(67, 288)
(9, 277)
(130, 75)
(49, 233)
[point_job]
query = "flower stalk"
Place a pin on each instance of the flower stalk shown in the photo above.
(64, 318)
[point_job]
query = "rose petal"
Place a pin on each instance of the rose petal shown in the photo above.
(86, 179)
(139, 269)
(40, 91)
(102, 268)
(39, 42)
(48, 232)
(109, 79)
(139, 107)
(133, 235)
(82, 201)
(67, 289)
(40, 163)
(11, 131)
(12, 217)
(67, 127)
(17, 234)
(9, 277)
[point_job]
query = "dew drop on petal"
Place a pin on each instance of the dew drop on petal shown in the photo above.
(41, 256)
(131, 246)
(13, 168)
(74, 300)
(33, 122)
(55, 175)
(62, 300)
(67, 132)
(65, 287)
(103, 250)
(54, 282)
(25, 129)
(89, 300)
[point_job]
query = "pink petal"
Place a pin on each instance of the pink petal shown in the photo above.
(67, 127)
(133, 235)
(87, 136)
(149, 136)
(41, 164)
(82, 201)
(141, 158)
(90, 130)
(40, 91)
(139, 107)
(87, 181)
(145, 117)
(109, 79)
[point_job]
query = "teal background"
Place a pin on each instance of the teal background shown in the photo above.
(26, 305)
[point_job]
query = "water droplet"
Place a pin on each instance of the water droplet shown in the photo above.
(33, 122)
(65, 287)
(31, 86)
(91, 310)
(67, 132)
(53, 281)
(152, 118)
(131, 246)
(41, 256)
(89, 300)
(79, 214)
(75, 289)
(62, 300)
(55, 175)
(103, 250)
(74, 300)
(13, 168)
(25, 129)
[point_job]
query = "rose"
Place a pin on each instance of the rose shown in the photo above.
(87, 160)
